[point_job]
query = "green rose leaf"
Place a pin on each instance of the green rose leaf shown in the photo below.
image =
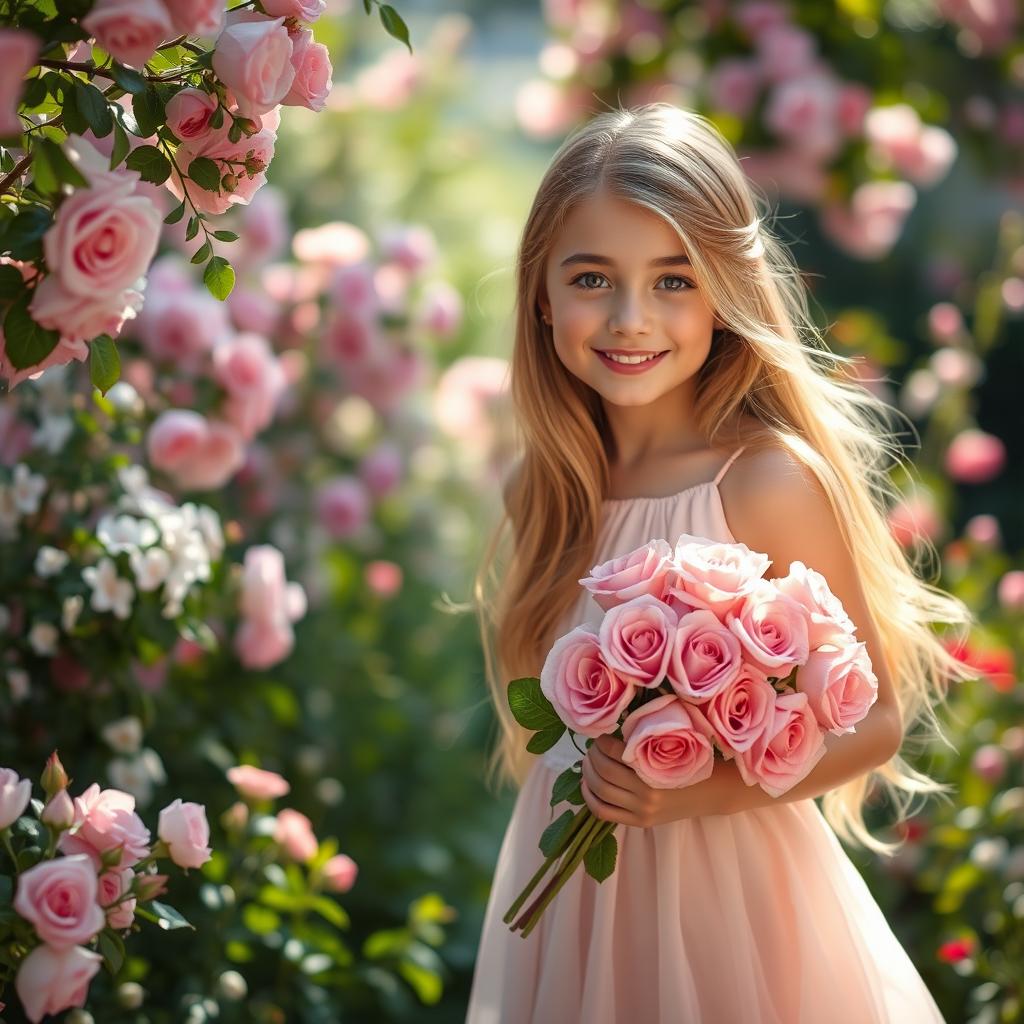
(566, 786)
(93, 106)
(393, 24)
(204, 172)
(531, 709)
(599, 860)
(151, 164)
(104, 363)
(545, 739)
(28, 344)
(219, 278)
(553, 837)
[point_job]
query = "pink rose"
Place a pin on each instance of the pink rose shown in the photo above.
(50, 980)
(706, 656)
(340, 873)
(180, 328)
(742, 711)
(383, 578)
(262, 645)
(440, 309)
(312, 82)
(343, 506)
(636, 639)
(199, 454)
(586, 693)
(79, 318)
(106, 820)
(175, 437)
(302, 10)
(294, 832)
(714, 575)
(826, 616)
(112, 886)
(642, 571)
(733, 85)
(58, 898)
(15, 793)
(18, 52)
(185, 830)
(975, 457)
(381, 469)
(787, 750)
(129, 30)
(269, 605)
(256, 783)
(197, 17)
(840, 685)
(253, 58)
(772, 629)
(250, 373)
(667, 743)
(189, 112)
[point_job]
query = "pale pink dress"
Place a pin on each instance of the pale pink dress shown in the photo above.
(757, 917)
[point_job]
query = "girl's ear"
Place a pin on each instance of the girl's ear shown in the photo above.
(545, 309)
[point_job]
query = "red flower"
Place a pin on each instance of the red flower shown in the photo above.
(996, 664)
(955, 950)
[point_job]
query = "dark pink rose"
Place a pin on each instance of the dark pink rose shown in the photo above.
(668, 744)
(112, 886)
(706, 656)
(188, 114)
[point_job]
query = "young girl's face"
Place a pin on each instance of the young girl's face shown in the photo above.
(617, 281)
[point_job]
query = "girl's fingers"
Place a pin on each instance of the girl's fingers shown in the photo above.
(614, 771)
(606, 790)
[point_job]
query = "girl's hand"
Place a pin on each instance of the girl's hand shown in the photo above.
(614, 792)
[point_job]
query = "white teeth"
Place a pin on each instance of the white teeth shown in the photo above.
(630, 359)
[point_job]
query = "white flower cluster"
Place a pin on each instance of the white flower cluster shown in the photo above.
(168, 546)
(20, 497)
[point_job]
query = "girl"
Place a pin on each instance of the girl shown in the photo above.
(668, 379)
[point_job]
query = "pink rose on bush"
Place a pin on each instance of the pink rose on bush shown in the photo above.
(343, 506)
(440, 309)
(826, 616)
(181, 327)
(59, 899)
(247, 369)
(714, 575)
(302, 10)
(294, 832)
(15, 793)
(975, 457)
(18, 52)
(384, 578)
(257, 783)
(643, 571)
(787, 750)
(199, 454)
(188, 114)
(667, 743)
(742, 711)
(50, 980)
(197, 17)
(637, 639)
(253, 58)
(381, 469)
(587, 694)
(112, 885)
(312, 82)
(105, 820)
(340, 873)
(129, 30)
(269, 605)
(185, 830)
(705, 658)
(772, 628)
(840, 685)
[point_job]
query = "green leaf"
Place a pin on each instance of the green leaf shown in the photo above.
(150, 163)
(202, 253)
(12, 284)
(532, 710)
(225, 236)
(149, 111)
(331, 910)
(93, 106)
(219, 278)
(599, 860)
(553, 837)
(35, 94)
(176, 214)
(367, 6)
(122, 147)
(234, 132)
(393, 24)
(566, 785)
(167, 917)
(129, 80)
(27, 343)
(52, 168)
(22, 238)
(217, 117)
(104, 363)
(205, 173)
(74, 119)
(545, 739)
(112, 950)
(192, 229)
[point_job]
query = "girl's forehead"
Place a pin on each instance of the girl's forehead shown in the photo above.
(615, 229)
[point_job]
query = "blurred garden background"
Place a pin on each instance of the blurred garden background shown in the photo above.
(329, 441)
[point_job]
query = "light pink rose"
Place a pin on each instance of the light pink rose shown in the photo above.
(189, 112)
(440, 310)
(18, 52)
(587, 694)
(636, 639)
(803, 112)
(257, 783)
(264, 229)
(717, 576)
(294, 831)
(340, 873)
(915, 517)
(785, 51)
(50, 980)
(79, 318)
(262, 645)
(742, 711)
(755, 17)
(412, 246)
(58, 898)
(705, 656)
(250, 373)
(644, 570)
(733, 85)
(106, 820)
(253, 310)
(840, 685)
(15, 793)
(772, 628)
(180, 328)
(129, 30)
(302, 10)
(343, 506)
(869, 225)
(391, 372)
(269, 605)
(112, 886)
(312, 83)
(176, 436)
(253, 58)
(199, 454)
(787, 750)
(185, 830)
(197, 17)
(827, 618)
(59, 811)
(668, 744)
(975, 457)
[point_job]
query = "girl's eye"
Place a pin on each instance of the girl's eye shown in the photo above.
(580, 278)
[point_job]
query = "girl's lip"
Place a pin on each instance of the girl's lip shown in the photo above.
(629, 368)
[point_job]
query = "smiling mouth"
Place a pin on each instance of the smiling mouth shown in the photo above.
(628, 358)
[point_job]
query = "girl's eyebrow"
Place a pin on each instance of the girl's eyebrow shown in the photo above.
(590, 257)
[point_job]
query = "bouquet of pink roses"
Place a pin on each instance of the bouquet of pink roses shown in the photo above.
(697, 656)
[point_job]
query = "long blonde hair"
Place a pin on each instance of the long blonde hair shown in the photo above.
(769, 363)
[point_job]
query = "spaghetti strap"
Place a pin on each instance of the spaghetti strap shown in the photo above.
(729, 462)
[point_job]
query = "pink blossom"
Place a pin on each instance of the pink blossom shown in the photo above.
(785, 51)
(733, 85)
(15, 793)
(198, 454)
(668, 744)
(645, 570)
(129, 30)
(256, 783)
(249, 372)
(705, 656)
(112, 885)
(390, 82)
(872, 222)
(440, 309)
(840, 685)
(294, 831)
(18, 52)
(772, 628)
(269, 605)
(1011, 590)
(758, 16)
(637, 639)
(715, 575)
(339, 873)
(312, 82)
(803, 111)
(50, 980)
(253, 58)
(741, 711)
(197, 17)
(383, 578)
(546, 110)
(915, 517)
(58, 898)
(106, 820)
(301, 10)
(975, 457)
(189, 112)
(184, 829)
(180, 328)
(381, 469)
(989, 762)
(343, 506)
(989, 26)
